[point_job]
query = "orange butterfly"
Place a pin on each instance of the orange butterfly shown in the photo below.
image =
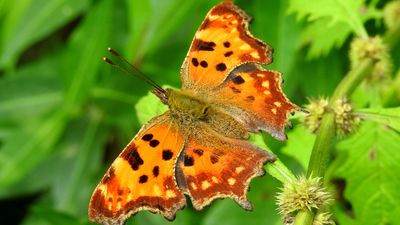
(198, 148)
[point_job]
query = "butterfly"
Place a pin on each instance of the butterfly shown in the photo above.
(198, 147)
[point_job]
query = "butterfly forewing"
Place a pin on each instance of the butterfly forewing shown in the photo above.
(221, 44)
(142, 176)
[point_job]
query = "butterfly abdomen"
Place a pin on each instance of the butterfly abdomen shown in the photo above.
(189, 110)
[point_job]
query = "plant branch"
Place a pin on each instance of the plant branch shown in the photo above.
(304, 217)
(352, 80)
(391, 91)
(322, 145)
(392, 35)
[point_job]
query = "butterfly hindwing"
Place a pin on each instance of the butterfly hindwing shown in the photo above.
(253, 95)
(222, 43)
(214, 166)
(142, 177)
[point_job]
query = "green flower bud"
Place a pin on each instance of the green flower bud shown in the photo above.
(317, 109)
(373, 48)
(345, 120)
(391, 14)
(302, 194)
(323, 219)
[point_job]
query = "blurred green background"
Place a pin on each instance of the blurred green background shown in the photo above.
(65, 114)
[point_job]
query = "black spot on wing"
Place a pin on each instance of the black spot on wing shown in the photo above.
(156, 171)
(235, 90)
(201, 45)
(227, 44)
(147, 137)
(154, 143)
(238, 80)
(132, 156)
(198, 152)
(214, 159)
(143, 179)
(250, 98)
(204, 64)
(195, 62)
(167, 154)
(227, 54)
(188, 161)
(221, 67)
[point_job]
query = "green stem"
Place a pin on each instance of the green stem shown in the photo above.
(391, 91)
(352, 80)
(392, 35)
(321, 150)
(304, 217)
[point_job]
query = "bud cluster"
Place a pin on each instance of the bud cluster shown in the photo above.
(317, 108)
(345, 120)
(373, 48)
(391, 14)
(303, 194)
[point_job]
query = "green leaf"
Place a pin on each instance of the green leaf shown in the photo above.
(185, 217)
(85, 50)
(387, 116)
(262, 195)
(29, 94)
(42, 214)
(325, 73)
(148, 107)
(299, 145)
(323, 37)
(277, 169)
(337, 11)
(84, 144)
(23, 150)
(148, 23)
(368, 162)
(28, 21)
(332, 21)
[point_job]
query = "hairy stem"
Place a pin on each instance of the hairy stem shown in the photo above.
(392, 35)
(321, 150)
(392, 90)
(304, 217)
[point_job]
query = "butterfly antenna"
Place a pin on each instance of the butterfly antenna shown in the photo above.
(158, 91)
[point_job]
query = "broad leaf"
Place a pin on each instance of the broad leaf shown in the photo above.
(299, 145)
(148, 107)
(332, 22)
(323, 37)
(387, 116)
(25, 149)
(368, 162)
(337, 10)
(27, 21)
(262, 195)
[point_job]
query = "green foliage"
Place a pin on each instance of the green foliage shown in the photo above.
(332, 22)
(300, 145)
(385, 116)
(65, 115)
(368, 162)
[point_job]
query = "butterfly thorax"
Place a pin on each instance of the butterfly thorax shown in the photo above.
(186, 105)
(190, 111)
